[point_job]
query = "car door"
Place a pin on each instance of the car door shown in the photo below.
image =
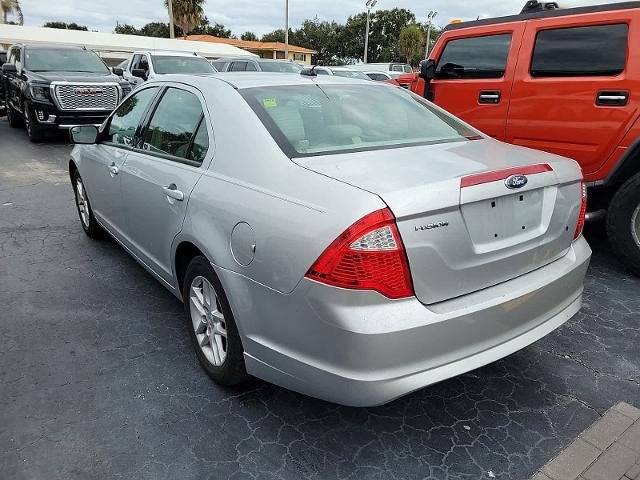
(572, 95)
(474, 74)
(160, 173)
(101, 164)
(14, 80)
(133, 64)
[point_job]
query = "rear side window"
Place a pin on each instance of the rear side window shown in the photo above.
(477, 57)
(238, 67)
(173, 125)
(580, 51)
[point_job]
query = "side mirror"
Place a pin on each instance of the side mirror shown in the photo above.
(118, 71)
(140, 73)
(9, 68)
(428, 69)
(84, 134)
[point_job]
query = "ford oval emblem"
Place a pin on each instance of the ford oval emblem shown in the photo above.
(516, 181)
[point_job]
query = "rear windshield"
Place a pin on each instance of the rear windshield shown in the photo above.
(309, 120)
(63, 60)
(174, 64)
(280, 67)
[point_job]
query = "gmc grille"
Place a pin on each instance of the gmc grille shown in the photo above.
(87, 96)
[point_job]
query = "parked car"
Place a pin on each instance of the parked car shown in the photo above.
(394, 69)
(51, 87)
(147, 65)
(244, 64)
(382, 77)
(564, 81)
(3, 59)
(341, 72)
(325, 249)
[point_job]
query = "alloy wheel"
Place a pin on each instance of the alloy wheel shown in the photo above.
(208, 321)
(81, 200)
(635, 226)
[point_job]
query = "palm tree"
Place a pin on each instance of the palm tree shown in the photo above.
(187, 14)
(10, 6)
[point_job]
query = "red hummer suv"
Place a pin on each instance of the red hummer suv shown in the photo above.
(566, 81)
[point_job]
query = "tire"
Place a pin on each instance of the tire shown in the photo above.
(85, 213)
(12, 117)
(36, 134)
(229, 370)
(623, 223)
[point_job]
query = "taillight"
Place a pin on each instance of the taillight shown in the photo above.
(368, 255)
(583, 211)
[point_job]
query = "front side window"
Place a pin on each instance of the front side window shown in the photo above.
(164, 64)
(135, 61)
(64, 60)
(396, 68)
(251, 67)
(408, 69)
(125, 120)
(173, 124)
(580, 51)
(476, 57)
(309, 120)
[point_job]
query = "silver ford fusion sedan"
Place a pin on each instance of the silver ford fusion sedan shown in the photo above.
(340, 238)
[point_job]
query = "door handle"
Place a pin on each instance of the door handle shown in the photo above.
(490, 96)
(113, 170)
(609, 98)
(172, 192)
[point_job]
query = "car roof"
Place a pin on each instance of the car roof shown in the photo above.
(560, 12)
(48, 46)
(244, 80)
(167, 53)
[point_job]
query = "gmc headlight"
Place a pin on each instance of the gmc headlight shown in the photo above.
(39, 92)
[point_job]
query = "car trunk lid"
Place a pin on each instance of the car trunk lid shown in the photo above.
(462, 227)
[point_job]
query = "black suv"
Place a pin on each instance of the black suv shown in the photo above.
(3, 59)
(51, 87)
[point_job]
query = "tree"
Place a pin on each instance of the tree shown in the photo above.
(276, 36)
(187, 14)
(66, 26)
(10, 6)
(411, 44)
(215, 30)
(155, 29)
(323, 37)
(126, 29)
(384, 32)
(249, 36)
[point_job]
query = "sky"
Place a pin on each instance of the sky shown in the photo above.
(259, 16)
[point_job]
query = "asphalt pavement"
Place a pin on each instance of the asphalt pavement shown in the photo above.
(98, 379)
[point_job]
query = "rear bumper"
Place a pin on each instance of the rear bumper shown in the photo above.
(361, 349)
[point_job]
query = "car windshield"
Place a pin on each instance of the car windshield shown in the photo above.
(309, 120)
(165, 64)
(63, 60)
(351, 74)
(280, 67)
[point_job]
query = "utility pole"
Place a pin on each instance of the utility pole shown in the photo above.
(172, 33)
(370, 5)
(431, 16)
(286, 29)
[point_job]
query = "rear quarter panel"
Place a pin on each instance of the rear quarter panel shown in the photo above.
(294, 213)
